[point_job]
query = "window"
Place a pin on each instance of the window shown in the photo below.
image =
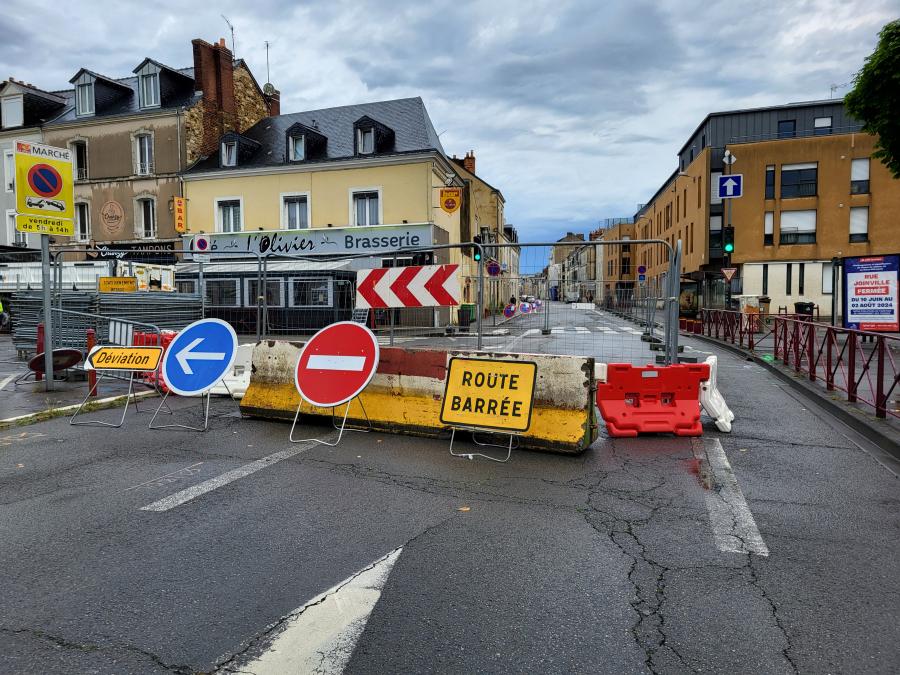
(401, 262)
(145, 218)
(229, 154)
(273, 292)
(859, 223)
(297, 150)
(770, 182)
(788, 280)
(144, 154)
(9, 171)
(149, 90)
(799, 180)
(295, 212)
(715, 232)
(365, 141)
(15, 238)
(609, 268)
(229, 215)
(185, 285)
(765, 280)
(859, 176)
(79, 149)
(769, 228)
(310, 293)
(365, 208)
(822, 126)
(714, 187)
(626, 266)
(801, 277)
(84, 99)
(827, 278)
(222, 292)
(798, 227)
(703, 141)
(12, 111)
(787, 128)
(82, 222)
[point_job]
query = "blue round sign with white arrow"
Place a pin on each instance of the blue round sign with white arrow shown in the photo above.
(199, 356)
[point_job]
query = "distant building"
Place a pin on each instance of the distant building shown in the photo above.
(811, 193)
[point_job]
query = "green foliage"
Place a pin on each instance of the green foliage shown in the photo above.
(875, 98)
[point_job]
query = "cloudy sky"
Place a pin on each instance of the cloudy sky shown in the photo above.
(575, 109)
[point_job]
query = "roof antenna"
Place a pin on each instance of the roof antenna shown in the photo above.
(231, 27)
(268, 76)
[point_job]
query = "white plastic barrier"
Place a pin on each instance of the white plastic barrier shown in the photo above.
(239, 378)
(712, 400)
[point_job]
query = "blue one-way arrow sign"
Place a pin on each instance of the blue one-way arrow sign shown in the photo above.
(199, 356)
(731, 185)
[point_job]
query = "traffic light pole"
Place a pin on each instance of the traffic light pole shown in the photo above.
(726, 255)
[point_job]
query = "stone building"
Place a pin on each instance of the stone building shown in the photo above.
(133, 136)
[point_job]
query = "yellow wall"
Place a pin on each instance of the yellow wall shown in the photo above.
(403, 196)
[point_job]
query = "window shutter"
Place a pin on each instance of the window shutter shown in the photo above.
(859, 220)
(769, 222)
(859, 169)
(799, 221)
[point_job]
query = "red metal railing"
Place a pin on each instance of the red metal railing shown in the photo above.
(860, 364)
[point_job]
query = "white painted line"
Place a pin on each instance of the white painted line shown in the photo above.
(582, 329)
(532, 331)
(335, 362)
(195, 491)
(732, 523)
(5, 381)
(320, 636)
(169, 477)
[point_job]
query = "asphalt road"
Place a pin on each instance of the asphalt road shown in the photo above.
(611, 562)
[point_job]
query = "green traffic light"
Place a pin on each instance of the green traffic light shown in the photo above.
(729, 248)
(477, 256)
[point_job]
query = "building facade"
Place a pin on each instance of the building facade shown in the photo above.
(811, 194)
(132, 138)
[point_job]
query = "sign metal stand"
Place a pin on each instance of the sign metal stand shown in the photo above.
(205, 395)
(341, 429)
(513, 438)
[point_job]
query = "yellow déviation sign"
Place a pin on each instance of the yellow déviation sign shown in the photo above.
(117, 284)
(489, 394)
(124, 358)
(44, 184)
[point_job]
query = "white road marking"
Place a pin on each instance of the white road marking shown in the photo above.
(582, 329)
(532, 332)
(336, 362)
(320, 636)
(169, 477)
(5, 381)
(195, 491)
(732, 523)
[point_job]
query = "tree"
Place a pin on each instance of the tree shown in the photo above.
(875, 98)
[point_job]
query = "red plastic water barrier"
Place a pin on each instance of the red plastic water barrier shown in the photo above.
(152, 340)
(652, 399)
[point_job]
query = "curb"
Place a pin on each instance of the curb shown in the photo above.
(51, 413)
(887, 440)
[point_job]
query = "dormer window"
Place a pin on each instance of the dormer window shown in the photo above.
(84, 99)
(297, 149)
(149, 90)
(365, 141)
(12, 112)
(229, 153)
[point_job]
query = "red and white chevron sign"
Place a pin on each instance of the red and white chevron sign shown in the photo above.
(415, 286)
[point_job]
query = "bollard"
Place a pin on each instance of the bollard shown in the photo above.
(40, 348)
(92, 374)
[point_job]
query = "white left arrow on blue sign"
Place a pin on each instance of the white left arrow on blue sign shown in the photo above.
(199, 357)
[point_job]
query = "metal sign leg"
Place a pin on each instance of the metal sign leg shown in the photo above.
(182, 426)
(362, 430)
(340, 429)
(472, 455)
(99, 423)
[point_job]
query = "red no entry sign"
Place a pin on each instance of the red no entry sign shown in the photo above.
(336, 364)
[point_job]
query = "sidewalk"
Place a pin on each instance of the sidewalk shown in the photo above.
(31, 399)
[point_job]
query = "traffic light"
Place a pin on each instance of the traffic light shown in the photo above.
(477, 251)
(728, 240)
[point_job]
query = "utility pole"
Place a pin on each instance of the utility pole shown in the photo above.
(728, 159)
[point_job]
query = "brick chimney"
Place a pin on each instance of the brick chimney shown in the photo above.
(273, 100)
(469, 161)
(214, 76)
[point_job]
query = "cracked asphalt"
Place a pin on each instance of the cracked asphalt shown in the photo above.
(601, 563)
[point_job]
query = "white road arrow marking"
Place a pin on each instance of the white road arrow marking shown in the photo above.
(185, 354)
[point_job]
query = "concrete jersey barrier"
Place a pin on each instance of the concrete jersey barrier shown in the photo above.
(406, 392)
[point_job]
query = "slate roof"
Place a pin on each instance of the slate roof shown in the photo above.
(407, 117)
(125, 105)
